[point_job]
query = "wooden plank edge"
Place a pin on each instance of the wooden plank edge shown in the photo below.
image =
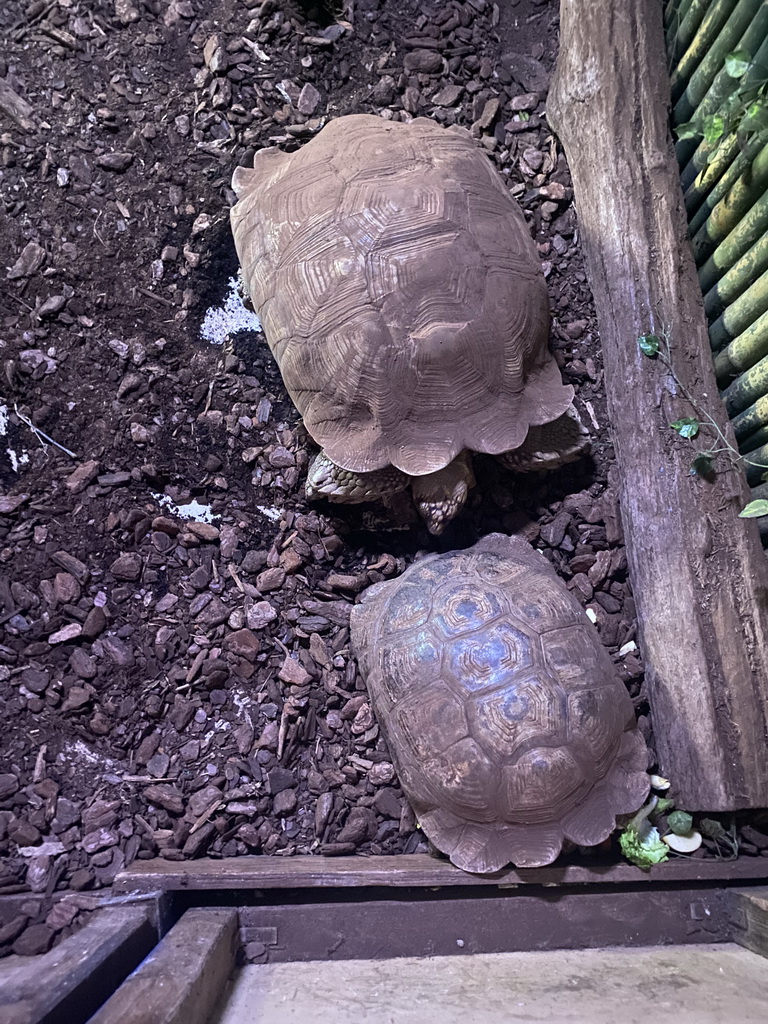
(70, 982)
(183, 979)
(749, 918)
(408, 870)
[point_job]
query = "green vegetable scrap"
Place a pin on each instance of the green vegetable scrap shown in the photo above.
(640, 841)
(680, 822)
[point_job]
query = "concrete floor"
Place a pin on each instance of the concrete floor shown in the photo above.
(715, 984)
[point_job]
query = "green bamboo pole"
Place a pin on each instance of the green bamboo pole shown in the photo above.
(713, 61)
(740, 315)
(756, 465)
(746, 389)
(741, 167)
(709, 29)
(674, 13)
(710, 161)
(688, 27)
(756, 440)
(751, 419)
(745, 349)
(732, 248)
(752, 265)
(722, 151)
(732, 207)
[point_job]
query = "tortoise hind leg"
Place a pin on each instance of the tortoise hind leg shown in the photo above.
(326, 479)
(550, 445)
(440, 496)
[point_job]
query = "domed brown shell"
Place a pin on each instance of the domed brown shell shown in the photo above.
(400, 292)
(507, 722)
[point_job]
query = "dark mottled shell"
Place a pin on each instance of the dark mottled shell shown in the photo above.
(400, 292)
(508, 724)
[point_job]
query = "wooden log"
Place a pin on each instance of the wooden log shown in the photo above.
(70, 981)
(184, 978)
(749, 918)
(699, 574)
(416, 870)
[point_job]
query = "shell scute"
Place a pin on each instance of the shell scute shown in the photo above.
(526, 711)
(507, 722)
(401, 293)
(491, 657)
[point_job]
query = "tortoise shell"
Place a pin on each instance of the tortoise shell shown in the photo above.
(400, 292)
(507, 722)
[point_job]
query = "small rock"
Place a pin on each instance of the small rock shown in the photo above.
(292, 671)
(207, 532)
(284, 802)
(426, 62)
(381, 774)
(166, 796)
(448, 96)
(126, 567)
(30, 260)
(34, 940)
(66, 589)
(309, 98)
(260, 614)
(280, 779)
(526, 101)
(82, 476)
(489, 114)
(244, 643)
(270, 579)
(281, 458)
(213, 614)
(12, 929)
(101, 839)
(118, 651)
(61, 915)
(95, 623)
(117, 162)
(69, 632)
(200, 801)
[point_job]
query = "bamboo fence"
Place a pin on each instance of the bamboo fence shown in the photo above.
(718, 59)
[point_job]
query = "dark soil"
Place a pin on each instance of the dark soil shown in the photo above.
(175, 688)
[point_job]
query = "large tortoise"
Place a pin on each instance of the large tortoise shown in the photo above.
(402, 296)
(506, 720)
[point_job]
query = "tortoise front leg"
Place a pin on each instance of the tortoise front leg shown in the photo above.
(440, 496)
(327, 480)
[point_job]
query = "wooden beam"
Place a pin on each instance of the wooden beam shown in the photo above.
(416, 870)
(698, 572)
(184, 979)
(70, 981)
(749, 918)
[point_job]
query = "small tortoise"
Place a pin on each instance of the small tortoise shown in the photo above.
(507, 722)
(403, 299)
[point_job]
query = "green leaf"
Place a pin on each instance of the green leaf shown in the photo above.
(703, 465)
(688, 427)
(680, 822)
(714, 126)
(649, 344)
(754, 509)
(737, 63)
(688, 130)
(712, 828)
(755, 119)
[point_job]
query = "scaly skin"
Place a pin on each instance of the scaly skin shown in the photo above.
(327, 480)
(440, 496)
